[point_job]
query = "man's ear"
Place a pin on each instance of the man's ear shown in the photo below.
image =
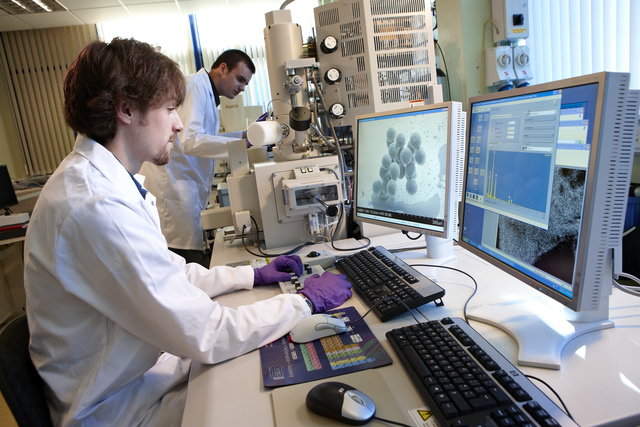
(223, 68)
(123, 112)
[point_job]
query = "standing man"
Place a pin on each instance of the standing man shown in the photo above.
(115, 317)
(183, 187)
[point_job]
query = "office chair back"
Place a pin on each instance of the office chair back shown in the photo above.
(20, 384)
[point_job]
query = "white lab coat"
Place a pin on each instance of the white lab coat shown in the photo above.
(183, 186)
(105, 297)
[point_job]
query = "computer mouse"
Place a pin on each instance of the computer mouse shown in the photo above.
(315, 327)
(313, 254)
(341, 402)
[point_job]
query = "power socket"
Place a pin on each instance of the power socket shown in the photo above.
(242, 219)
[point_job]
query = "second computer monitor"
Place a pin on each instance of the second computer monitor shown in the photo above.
(409, 171)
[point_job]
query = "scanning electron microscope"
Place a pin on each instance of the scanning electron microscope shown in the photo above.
(293, 186)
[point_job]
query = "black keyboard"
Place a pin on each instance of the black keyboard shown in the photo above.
(376, 274)
(466, 382)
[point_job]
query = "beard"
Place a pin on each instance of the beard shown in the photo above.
(162, 158)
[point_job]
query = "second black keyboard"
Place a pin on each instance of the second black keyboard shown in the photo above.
(376, 273)
(465, 381)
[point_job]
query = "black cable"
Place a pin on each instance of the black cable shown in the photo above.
(390, 422)
(333, 235)
(566, 410)
(406, 233)
(264, 254)
(444, 61)
(475, 289)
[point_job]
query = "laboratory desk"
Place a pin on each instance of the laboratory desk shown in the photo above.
(599, 380)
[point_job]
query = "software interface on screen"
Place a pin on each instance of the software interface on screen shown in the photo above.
(401, 168)
(526, 172)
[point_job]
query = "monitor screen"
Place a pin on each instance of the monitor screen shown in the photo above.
(7, 193)
(540, 201)
(527, 167)
(408, 168)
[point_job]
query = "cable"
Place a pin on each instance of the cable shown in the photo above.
(406, 233)
(475, 289)
(390, 422)
(626, 289)
(566, 410)
(333, 235)
(446, 69)
(264, 254)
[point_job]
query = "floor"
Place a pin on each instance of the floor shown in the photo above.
(6, 419)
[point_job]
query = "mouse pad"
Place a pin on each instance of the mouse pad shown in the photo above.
(357, 349)
(289, 406)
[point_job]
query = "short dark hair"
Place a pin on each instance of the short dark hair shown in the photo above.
(124, 69)
(232, 57)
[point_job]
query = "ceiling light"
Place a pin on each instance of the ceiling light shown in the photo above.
(19, 7)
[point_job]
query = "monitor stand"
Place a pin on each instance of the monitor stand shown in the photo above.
(542, 327)
(439, 249)
(439, 252)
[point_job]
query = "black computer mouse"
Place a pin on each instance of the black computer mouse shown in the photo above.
(341, 402)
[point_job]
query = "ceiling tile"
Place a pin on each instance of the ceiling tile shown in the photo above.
(10, 23)
(104, 14)
(51, 19)
(142, 10)
(92, 4)
(128, 3)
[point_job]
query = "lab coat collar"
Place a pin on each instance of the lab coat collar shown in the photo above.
(114, 171)
(216, 97)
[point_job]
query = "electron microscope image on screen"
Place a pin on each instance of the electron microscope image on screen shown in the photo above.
(406, 164)
(552, 250)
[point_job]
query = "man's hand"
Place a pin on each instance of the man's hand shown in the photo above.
(278, 270)
(327, 291)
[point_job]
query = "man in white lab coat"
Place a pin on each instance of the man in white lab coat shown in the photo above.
(183, 187)
(115, 317)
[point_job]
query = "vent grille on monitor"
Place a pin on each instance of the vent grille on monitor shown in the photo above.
(616, 131)
(458, 134)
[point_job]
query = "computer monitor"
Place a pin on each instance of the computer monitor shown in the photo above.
(408, 172)
(546, 183)
(8, 196)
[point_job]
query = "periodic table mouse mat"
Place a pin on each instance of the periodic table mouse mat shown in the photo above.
(285, 363)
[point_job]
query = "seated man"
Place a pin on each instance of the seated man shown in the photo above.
(115, 317)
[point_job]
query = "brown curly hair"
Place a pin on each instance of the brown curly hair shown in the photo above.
(124, 69)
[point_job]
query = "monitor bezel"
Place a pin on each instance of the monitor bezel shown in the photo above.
(6, 189)
(447, 232)
(581, 290)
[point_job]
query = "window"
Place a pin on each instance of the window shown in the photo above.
(570, 38)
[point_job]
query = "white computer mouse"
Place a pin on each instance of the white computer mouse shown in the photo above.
(315, 327)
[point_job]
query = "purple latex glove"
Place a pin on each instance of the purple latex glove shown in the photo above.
(278, 270)
(327, 291)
